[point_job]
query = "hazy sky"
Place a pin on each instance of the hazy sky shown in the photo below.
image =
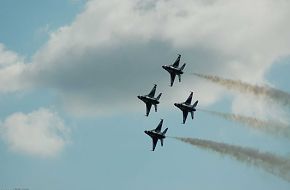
(71, 70)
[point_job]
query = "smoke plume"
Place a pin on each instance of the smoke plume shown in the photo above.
(271, 163)
(276, 95)
(269, 126)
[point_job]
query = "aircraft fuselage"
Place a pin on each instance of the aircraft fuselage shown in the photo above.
(155, 135)
(185, 107)
(147, 99)
(172, 69)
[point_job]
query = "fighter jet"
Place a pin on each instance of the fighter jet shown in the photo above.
(174, 70)
(156, 134)
(185, 107)
(149, 100)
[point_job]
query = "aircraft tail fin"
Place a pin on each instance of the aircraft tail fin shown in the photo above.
(161, 140)
(179, 77)
(155, 105)
(182, 67)
(158, 97)
(195, 104)
(164, 132)
(192, 114)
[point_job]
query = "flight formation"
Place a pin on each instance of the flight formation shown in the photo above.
(149, 100)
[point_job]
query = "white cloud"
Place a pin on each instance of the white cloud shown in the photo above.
(12, 69)
(114, 49)
(41, 133)
(8, 57)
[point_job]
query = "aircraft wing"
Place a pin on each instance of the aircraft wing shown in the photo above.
(158, 128)
(176, 63)
(172, 77)
(154, 141)
(148, 107)
(185, 113)
(152, 92)
(188, 101)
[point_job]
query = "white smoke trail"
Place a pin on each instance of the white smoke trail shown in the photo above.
(276, 95)
(269, 126)
(271, 163)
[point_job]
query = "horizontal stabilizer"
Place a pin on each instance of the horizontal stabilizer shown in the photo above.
(161, 140)
(158, 97)
(163, 133)
(192, 115)
(195, 103)
(182, 67)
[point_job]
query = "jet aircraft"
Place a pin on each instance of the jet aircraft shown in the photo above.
(149, 100)
(174, 70)
(185, 107)
(156, 134)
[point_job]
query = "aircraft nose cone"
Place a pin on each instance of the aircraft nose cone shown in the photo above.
(146, 132)
(163, 66)
(139, 97)
(175, 104)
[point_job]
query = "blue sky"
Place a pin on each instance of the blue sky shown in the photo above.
(21, 21)
(71, 119)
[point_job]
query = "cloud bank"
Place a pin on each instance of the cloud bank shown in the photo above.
(114, 50)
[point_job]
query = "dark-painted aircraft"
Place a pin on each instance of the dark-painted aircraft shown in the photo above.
(156, 134)
(174, 70)
(185, 107)
(149, 100)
